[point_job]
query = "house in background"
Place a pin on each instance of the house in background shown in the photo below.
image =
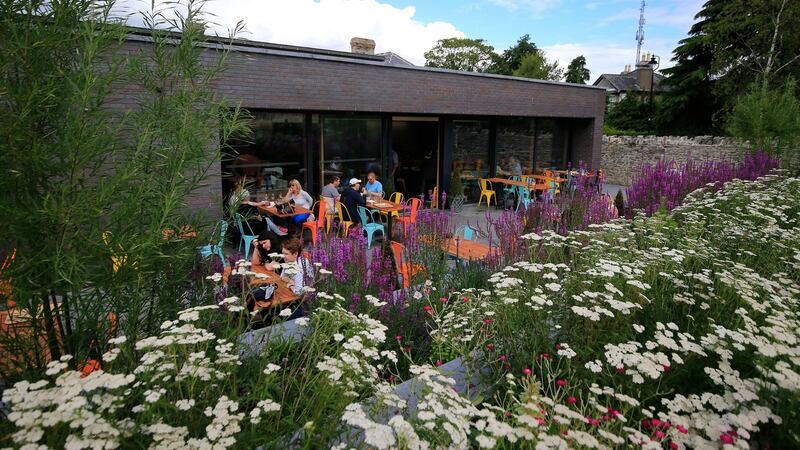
(636, 81)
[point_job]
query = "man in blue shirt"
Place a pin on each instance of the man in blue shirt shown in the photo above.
(373, 188)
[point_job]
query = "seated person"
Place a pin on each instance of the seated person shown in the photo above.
(292, 251)
(330, 193)
(266, 243)
(373, 188)
(352, 198)
(301, 199)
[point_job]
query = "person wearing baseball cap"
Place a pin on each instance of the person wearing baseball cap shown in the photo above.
(352, 199)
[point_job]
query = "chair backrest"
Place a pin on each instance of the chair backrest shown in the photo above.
(344, 214)
(483, 182)
(223, 227)
(413, 205)
(524, 192)
(397, 198)
(319, 208)
(239, 219)
(363, 214)
(515, 178)
(465, 232)
(398, 253)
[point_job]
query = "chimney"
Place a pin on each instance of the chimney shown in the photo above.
(644, 73)
(362, 45)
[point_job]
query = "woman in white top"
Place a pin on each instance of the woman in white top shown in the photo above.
(301, 199)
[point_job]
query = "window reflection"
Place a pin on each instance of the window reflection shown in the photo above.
(516, 144)
(352, 147)
(550, 144)
(471, 154)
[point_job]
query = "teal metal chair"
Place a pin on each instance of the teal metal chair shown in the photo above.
(523, 197)
(466, 232)
(370, 228)
(246, 239)
(511, 190)
(216, 249)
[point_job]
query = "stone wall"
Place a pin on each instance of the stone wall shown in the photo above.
(623, 155)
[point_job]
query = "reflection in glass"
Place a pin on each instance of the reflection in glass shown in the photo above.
(471, 154)
(550, 144)
(516, 143)
(351, 147)
(272, 154)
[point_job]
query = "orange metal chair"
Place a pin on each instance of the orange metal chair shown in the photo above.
(329, 216)
(317, 225)
(409, 218)
(5, 282)
(90, 365)
(487, 191)
(405, 270)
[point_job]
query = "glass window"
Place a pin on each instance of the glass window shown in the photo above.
(471, 154)
(551, 143)
(516, 141)
(351, 147)
(268, 157)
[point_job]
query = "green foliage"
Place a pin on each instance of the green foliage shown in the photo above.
(629, 114)
(511, 58)
(770, 120)
(468, 55)
(536, 65)
(456, 186)
(732, 44)
(577, 72)
(76, 171)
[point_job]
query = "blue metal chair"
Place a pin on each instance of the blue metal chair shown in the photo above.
(216, 249)
(524, 196)
(466, 232)
(246, 239)
(370, 228)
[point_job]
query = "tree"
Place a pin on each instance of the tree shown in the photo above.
(769, 119)
(732, 44)
(511, 58)
(577, 71)
(629, 114)
(468, 55)
(536, 65)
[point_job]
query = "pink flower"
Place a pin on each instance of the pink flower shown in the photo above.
(428, 308)
(673, 445)
(682, 429)
(487, 321)
(443, 299)
(558, 346)
(439, 362)
(572, 400)
(466, 299)
(508, 413)
(660, 435)
(666, 367)
(620, 369)
(506, 366)
(526, 372)
(561, 382)
(502, 357)
(540, 421)
(490, 346)
(398, 338)
(726, 439)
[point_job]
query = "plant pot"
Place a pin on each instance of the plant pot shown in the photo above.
(457, 202)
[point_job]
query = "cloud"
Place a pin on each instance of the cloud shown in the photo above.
(327, 24)
(606, 57)
(536, 6)
(675, 13)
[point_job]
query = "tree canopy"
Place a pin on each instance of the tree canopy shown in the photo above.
(536, 65)
(469, 55)
(511, 58)
(577, 72)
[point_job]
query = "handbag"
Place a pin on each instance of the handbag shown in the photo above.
(264, 292)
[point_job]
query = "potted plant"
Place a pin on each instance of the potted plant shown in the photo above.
(457, 197)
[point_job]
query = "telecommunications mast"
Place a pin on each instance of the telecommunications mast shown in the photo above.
(640, 33)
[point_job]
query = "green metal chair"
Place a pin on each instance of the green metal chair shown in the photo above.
(246, 239)
(216, 249)
(370, 228)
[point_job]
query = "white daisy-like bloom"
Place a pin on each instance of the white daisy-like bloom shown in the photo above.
(285, 312)
(271, 368)
(417, 295)
(217, 277)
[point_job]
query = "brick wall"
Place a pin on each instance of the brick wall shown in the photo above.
(623, 155)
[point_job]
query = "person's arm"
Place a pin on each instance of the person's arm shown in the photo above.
(307, 198)
(360, 200)
(256, 258)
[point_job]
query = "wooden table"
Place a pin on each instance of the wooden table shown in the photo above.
(388, 208)
(468, 250)
(273, 211)
(16, 323)
(283, 294)
(546, 179)
(533, 187)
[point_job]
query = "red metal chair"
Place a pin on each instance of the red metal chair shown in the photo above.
(318, 225)
(405, 270)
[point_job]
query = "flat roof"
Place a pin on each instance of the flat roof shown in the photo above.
(294, 51)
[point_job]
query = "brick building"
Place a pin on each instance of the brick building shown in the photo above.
(318, 113)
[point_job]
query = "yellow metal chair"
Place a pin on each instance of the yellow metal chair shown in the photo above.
(397, 198)
(343, 213)
(487, 191)
(435, 197)
(118, 259)
(329, 216)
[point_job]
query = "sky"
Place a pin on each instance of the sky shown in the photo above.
(602, 31)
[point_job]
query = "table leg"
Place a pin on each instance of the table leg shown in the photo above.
(389, 224)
